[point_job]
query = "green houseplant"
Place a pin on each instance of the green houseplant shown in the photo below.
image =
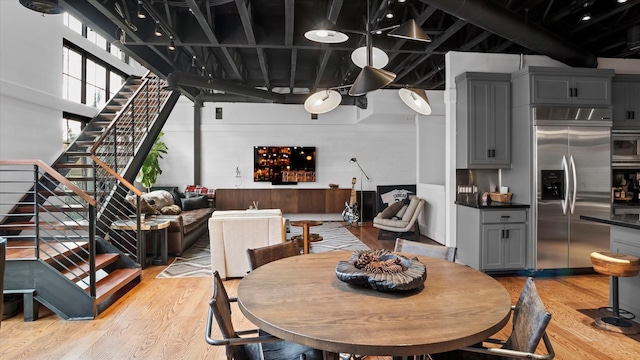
(150, 169)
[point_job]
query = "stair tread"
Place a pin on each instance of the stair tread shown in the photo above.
(80, 271)
(115, 281)
(28, 225)
(27, 209)
(21, 249)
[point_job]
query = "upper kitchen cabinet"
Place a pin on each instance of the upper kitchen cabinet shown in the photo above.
(566, 86)
(626, 102)
(483, 114)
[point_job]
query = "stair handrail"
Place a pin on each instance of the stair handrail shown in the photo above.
(115, 120)
(56, 175)
(91, 202)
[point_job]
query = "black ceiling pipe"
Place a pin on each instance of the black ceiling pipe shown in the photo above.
(509, 25)
(296, 99)
(240, 93)
(177, 79)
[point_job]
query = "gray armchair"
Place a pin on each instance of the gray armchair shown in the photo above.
(401, 223)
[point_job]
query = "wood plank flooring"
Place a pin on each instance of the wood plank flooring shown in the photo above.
(165, 319)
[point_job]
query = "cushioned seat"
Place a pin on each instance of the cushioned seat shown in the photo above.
(231, 233)
(393, 224)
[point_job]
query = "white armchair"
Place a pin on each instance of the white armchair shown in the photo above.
(231, 233)
(399, 224)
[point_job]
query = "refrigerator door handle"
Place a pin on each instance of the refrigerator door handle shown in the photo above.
(575, 183)
(565, 202)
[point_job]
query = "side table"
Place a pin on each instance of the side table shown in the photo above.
(158, 228)
(305, 231)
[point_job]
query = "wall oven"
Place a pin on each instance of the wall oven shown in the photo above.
(625, 149)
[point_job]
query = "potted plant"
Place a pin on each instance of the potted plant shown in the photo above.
(150, 169)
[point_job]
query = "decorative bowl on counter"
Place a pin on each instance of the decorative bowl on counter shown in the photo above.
(382, 270)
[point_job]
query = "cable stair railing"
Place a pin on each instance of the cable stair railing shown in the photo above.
(62, 220)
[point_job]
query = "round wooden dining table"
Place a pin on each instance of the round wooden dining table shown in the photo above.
(300, 299)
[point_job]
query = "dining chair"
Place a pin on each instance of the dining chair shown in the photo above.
(266, 254)
(418, 248)
(260, 346)
(530, 320)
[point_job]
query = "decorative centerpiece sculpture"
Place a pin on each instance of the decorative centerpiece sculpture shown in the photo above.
(382, 270)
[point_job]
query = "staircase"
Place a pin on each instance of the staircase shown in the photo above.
(56, 218)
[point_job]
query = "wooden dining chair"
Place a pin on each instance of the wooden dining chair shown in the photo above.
(418, 248)
(239, 346)
(266, 254)
(530, 320)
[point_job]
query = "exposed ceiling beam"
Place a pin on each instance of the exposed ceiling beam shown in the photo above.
(332, 15)
(211, 36)
(245, 17)
(433, 45)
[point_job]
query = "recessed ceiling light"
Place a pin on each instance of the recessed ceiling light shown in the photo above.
(389, 16)
(586, 17)
(622, 1)
(139, 13)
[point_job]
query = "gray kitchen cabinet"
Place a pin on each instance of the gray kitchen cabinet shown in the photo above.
(626, 102)
(483, 121)
(567, 86)
(492, 239)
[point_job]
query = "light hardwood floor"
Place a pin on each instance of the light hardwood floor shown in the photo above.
(165, 319)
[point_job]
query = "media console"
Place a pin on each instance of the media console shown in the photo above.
(289, 201)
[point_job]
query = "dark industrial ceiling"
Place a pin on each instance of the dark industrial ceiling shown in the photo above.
(260, 43)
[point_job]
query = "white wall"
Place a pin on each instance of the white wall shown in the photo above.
(386, 150)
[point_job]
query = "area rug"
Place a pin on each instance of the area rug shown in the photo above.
(196, 262)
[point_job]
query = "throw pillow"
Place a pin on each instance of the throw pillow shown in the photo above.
(145, 208)
(171, 210)
(158, 198)
(391, 210)
(402, 211)
(413, 204)
(196, 202)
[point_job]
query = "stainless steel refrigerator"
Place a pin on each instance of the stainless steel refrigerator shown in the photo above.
(573, 178)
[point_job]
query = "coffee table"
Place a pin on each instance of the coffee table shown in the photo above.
(300, 299)
(306, 224)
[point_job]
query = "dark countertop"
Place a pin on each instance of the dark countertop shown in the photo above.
(493, 205)
(631, 221)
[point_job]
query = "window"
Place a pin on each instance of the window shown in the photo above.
(96, 84)
(71, 75)
(71, 128)
(115, 83)
(72, 23)
(97, 39)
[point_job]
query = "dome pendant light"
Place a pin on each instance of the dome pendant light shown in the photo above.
(322, 101)
(325, 33)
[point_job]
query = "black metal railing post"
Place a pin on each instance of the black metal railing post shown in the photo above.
(92, 250)
(36, 213)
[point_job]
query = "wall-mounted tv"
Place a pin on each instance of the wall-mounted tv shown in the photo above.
(284, 164)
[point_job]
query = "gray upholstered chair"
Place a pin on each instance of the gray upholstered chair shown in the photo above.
(437, 251)
(260, 346)
(530, 320)
(401, 223)
(266, 254)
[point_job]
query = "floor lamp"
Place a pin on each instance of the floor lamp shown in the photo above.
(361, 192)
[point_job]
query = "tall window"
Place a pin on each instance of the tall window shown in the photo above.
(115, 83)
(87, 79)
(71, 75)
(96, 84)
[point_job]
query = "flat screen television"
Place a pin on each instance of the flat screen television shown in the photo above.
(284, 164)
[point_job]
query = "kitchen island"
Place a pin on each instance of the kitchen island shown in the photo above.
(625, 239)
